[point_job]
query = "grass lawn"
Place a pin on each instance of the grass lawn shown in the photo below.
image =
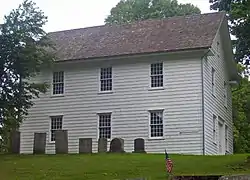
(115, 166)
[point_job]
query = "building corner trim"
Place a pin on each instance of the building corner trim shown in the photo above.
(203, 58)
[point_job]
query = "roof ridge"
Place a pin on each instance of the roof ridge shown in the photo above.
(136, 22)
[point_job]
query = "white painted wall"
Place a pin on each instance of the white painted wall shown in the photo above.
(215, 105)
(181, 100)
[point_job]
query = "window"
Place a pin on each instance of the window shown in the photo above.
(156, 124)
(218, 49)
(58, 82)
(214, 128)
(213, 81)
(157, 75)
(226, 137)
(56, 124)
(225, 94)
(105, 125)
(106, 79)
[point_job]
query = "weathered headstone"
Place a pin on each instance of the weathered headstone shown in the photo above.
(61, 137)
(117, 145)
(39, 143)
(15, 142)
(85, 145)
(102, 145)
(139, 145)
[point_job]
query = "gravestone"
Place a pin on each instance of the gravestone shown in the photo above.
(117, 145)
(39, 143)
(61, 137)
(85, 145)
(139, 145)
(102, 145)
(15, 142)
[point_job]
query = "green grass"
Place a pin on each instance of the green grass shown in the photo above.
(115, 166)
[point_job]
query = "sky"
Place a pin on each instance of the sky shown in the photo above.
(70, 14)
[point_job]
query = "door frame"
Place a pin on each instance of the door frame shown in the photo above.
(221, 136)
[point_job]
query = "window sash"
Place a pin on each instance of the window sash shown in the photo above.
(156, 69)
(106, 85)
(58, 77)
(156, 130)
(105, 132)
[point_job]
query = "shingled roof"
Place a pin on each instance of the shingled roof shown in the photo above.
(149, 36)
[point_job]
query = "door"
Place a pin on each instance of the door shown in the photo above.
(221, 139)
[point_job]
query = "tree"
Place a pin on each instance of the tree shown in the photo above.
(24, 51)
(241, 116)
(239, 17)
(127, 11)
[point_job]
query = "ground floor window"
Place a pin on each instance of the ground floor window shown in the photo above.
(55, 124)
(226, 137)
(105, 125)
(214, 129)
(156, 123)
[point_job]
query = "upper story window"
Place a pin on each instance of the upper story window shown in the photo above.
(105, 125)
(218, 49)
(157, 75)
(106, 79)
(225, 94)
(58, 82)
(213, 81)
(156, 124)
(55, 124)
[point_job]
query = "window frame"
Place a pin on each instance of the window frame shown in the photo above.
(214, 130)
(63, 82)
(218, 48)
(226, 138)
(112, 80)
(150, 76)
(98, 124)
(50, 125)
(225, 94)
(149, 124)
(213, 81)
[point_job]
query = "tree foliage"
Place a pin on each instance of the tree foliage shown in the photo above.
(23, 53)
(241, 116)
(127, 11)
(239, 16)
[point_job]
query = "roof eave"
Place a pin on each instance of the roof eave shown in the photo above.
(198, 50)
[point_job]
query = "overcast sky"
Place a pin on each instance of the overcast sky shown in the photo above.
(69, 14)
